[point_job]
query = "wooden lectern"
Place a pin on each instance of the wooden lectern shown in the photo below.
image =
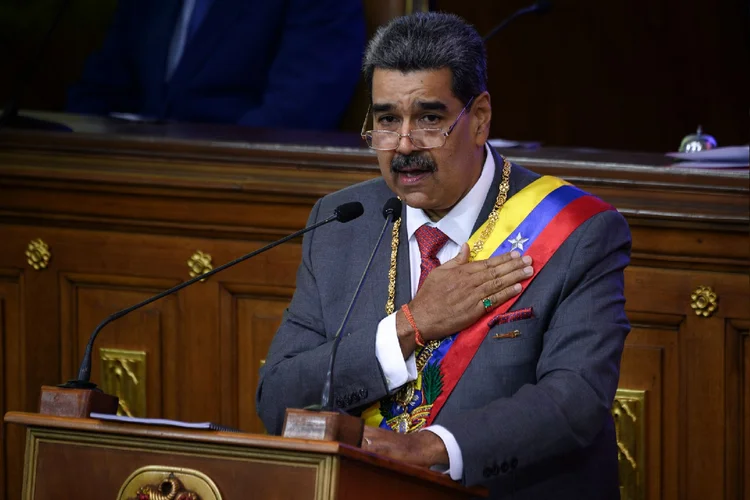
(85, 459)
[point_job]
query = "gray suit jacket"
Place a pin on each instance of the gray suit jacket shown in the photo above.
(531, 414)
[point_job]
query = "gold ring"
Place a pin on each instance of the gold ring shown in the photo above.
(367, 441)
(487, 303)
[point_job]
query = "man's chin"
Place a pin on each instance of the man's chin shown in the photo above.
(418, 200)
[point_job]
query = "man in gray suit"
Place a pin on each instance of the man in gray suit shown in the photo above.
(494, 321)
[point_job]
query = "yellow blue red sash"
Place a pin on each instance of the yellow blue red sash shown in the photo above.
(535, 221)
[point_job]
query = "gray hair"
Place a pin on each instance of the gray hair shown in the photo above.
(430, 41)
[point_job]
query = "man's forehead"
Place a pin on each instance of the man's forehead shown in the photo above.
(423, 89)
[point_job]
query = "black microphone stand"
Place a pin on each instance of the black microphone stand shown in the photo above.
(80, 397)
(84, 372)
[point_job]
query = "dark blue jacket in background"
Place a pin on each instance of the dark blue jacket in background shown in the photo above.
(264, 63)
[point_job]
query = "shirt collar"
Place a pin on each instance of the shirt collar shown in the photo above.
(458, 223)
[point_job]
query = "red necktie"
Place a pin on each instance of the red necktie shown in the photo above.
(430, 240)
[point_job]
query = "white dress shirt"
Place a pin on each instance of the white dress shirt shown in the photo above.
(457, 225)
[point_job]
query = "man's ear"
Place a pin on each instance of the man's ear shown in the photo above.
(481, 111)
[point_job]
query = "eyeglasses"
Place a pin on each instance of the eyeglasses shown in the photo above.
(421, 138)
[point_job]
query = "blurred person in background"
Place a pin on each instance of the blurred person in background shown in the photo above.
(259, 63)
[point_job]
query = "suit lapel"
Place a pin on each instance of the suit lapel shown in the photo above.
(158, 38)
(199, 48)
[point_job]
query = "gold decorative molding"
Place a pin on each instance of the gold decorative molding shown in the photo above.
(199, 263)
(124, 375)
(704, 301)
(159, 482)
(629, 412)
(38, 254)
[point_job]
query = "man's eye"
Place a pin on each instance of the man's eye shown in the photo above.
(387, 120)
(430, 119)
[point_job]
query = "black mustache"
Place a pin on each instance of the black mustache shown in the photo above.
(418, 161)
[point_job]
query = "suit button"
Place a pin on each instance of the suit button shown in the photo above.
(495, 470)
(363, 393)
(355, 398)
(504, 467)
(340, 402)
(487, 472)
(513, 463)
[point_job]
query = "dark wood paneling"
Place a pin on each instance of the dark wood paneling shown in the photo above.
(651, 363)
(622, 75)
(89, 299)
(124, 207)
(108, 470)
(744, 466)
(255, 314)
(700, 401)
(11, 378)
(736, 332)
(240, 465)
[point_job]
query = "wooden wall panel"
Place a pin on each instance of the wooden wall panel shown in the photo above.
(744, 458)
(669, 290)
(650, 362)
(213, 376)
(703, 354)
(11, 373)
(30, 355)
(737, 376)
(253, 313)
(701, 417)
(735, 411)
(86, 300)
(3, 335)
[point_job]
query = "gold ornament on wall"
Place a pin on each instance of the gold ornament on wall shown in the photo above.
(199, 263)
(629, 412)
(704, 301)
(38, 254)
(124, 375)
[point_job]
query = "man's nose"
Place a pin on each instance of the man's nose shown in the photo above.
(405, 146)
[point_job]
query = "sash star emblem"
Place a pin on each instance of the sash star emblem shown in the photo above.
(517, 242)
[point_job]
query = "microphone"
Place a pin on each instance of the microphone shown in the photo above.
(9, 116)
(540, 7)
(343, 213)
(391, 212)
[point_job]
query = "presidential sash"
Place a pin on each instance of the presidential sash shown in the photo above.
(535, 221)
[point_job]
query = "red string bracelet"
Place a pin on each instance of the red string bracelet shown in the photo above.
(417, 336)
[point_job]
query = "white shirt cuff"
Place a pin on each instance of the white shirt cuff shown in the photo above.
(455, 458)
(388, 352)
